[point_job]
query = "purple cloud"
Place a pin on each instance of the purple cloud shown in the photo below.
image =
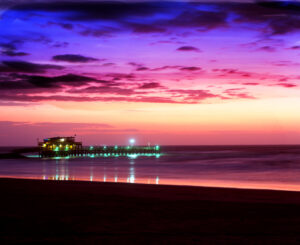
(150, 85)
(73, 58)
(188, 49)
(14, 53)
(267, 48)
(142, 28)
(286, 85)
(190, 68)
(26, 67)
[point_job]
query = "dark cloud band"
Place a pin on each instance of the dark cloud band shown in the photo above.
(73, 58)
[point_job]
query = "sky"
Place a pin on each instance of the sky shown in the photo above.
(164, 72)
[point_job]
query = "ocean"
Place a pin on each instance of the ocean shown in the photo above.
(255, 167)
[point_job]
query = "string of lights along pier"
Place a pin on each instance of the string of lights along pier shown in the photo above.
(57, 147)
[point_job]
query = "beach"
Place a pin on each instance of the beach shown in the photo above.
(78, 212)
(150, 122)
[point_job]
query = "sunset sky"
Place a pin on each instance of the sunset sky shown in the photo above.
(160, 72)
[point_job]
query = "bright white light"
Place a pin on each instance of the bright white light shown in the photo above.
(132, 141)
(132, 156)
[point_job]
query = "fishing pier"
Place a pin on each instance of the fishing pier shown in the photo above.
(69, 147)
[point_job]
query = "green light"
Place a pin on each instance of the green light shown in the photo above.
(33, 156)
(116, 147)
(157, 148)
(91, 147)
(56, 148)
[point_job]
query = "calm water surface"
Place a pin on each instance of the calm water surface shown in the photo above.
(263, 167)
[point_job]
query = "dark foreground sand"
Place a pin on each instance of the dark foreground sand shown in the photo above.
(51, 212)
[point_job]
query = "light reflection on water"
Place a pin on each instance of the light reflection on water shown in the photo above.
(241, 167)
(96, 172)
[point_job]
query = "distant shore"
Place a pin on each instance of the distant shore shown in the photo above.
(18, 152)
(74, 212)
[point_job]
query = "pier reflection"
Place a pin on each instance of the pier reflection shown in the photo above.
(64, 170)
(131, 177)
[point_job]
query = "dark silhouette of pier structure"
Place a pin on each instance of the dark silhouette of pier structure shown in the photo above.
(69, 147)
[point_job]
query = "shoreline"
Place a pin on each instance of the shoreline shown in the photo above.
(253, 186)
(47, 211)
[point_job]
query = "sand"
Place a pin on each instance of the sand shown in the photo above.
(74, 212)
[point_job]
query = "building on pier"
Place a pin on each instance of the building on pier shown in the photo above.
(59, 146)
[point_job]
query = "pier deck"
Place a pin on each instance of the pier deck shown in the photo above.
(69, 147)
(98, 151)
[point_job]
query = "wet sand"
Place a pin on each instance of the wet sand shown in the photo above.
(48, 212)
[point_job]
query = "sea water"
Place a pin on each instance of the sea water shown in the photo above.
(258, 167)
